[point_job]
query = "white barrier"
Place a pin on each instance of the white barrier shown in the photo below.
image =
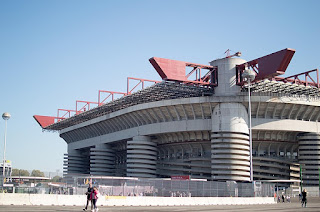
(80, 200)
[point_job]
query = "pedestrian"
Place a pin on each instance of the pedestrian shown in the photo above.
(282, 197)
(304, 198)
(288, 199)
(88, 193)
(94, 197)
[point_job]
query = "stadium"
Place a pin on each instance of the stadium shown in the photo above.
(196, 122)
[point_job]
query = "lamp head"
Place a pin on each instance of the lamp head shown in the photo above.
(248, 75)
(6, 116)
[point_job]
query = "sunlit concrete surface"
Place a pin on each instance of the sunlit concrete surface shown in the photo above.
(77, 200)
(313, 205)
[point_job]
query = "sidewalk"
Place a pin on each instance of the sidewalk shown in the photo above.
(313, 206)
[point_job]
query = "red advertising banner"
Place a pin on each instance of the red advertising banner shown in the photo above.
(180, 177)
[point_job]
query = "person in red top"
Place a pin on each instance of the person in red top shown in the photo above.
(94, 198)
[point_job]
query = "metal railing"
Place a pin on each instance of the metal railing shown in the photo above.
(112, 186)
(174, 188)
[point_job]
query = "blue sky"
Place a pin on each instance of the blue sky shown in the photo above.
(53, 53)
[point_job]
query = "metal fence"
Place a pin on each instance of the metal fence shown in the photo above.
(175, 188)
(149, 187)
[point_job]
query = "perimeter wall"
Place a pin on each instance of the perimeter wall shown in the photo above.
(80, 200)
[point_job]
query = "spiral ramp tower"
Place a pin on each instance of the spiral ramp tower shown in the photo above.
(309, 155)
(141, 157)
(77, 161)
(102, 160)
(230, 147)
(230, 143)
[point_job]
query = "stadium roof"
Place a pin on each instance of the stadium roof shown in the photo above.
(160, 91)
(284, 88)
(174, 90)
(176, 85)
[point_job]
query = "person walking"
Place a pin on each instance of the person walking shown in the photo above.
(304, 198)
(88, 193)
(94, 197)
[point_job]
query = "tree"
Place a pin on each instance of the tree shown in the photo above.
(20, 172)
(57, 179)
(37, 173)
(15, 172)
(24, 172)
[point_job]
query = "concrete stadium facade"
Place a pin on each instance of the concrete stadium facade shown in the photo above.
(204, 135)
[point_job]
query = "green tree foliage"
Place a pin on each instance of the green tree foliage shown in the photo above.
(37, 173)
(24, 173)
(57, 179)
(15, 172)
(20, 172)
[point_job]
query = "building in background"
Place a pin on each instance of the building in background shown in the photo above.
(8, 169)
(199, 127)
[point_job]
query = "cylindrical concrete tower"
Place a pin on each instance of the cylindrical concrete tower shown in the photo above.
(230, 148)
(141, 157)
(77, 161)
(227, 76)
(309, 155)
(102, 160)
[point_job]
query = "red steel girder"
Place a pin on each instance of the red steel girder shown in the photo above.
(111, 93)
(67, 114)
(268, 66)
(140, 81)
(44, 121)
(86, 106)
(308, 80)
(175, 70)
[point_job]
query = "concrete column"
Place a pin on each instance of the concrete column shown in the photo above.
(278, 151)
(102, 160)
(291, 152)
(141, 157)
(230, 151)
(309, 157)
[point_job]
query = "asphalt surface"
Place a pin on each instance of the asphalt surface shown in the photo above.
(313, 205)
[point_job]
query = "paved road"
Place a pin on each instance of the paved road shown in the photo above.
(313, 205)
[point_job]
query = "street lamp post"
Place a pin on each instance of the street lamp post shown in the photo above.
(6, 116)
(249, 75)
